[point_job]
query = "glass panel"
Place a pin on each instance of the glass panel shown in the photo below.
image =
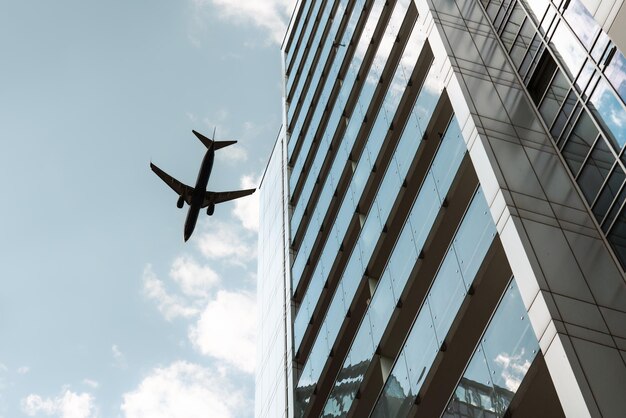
(446, 295)
(381, 307)
(513, 26)
(554, 97)
(538, 8)
(474, 237)
(568, 50)
(596, 170)
(510, 346)
(499, 364)
(617, 237)
(610, 112)
(612, 187)
(420, 349)
(402, 260)
(448, 158)
(584, 24)
(521, 43)
(580, 141)
(424, 211)
(564, 114)
(616, 207)
(616, 73)
(396, 398)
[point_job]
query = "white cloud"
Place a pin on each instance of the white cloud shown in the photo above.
(193, 279)
(234, 154)
(514, 369)
(227, 329)
(169, 305)
(269, 15)
(23, 370)
(223, 241)
(185, 390)
(91, 383)
(247, 208)
(67, 405)
(118, 357)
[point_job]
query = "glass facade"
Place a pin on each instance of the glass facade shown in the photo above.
(400, 222)
(273, 362)
(577, 79)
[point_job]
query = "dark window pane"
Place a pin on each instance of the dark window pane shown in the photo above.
(530, 56)
(580, 141)
(617, 238)
(564, 115)
(596, 170)
(541, 77)
(614, 210)
(521, 42)
(616, 179)
(497, 22)
(513, 26)
(554, 97)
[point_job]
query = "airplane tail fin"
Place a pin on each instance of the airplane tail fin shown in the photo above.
(208, 142)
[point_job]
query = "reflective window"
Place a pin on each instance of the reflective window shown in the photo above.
(610, 191)
(617, 237)
(499, 364)
(596, 170)
(554, 97)
(569, 50)
(582, 22)
(518, 51)
(616, 73)
(513, 26)
(542, 77)
(580, 142)
(610, 112)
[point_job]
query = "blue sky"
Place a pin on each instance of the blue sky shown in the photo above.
(104, 310)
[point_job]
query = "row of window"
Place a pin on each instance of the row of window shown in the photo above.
(404, 256)
(316, 127)
(362, 172)
(340, 154)
(577, 79)
(439, 309)
(372, 229)
(303, 46)
(294, 93)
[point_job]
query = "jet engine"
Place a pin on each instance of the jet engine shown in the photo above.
(180, 203)
(210, 209)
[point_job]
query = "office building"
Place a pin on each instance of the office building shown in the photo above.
(442, 218)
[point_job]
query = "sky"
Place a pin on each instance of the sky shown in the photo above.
(104, 310)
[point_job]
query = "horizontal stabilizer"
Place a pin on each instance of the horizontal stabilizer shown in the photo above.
(208, 142)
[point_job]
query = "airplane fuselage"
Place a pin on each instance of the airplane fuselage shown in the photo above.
(197, 198)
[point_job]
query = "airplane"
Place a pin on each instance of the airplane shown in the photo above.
(197, 197)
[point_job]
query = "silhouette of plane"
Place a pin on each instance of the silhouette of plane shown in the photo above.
(197, 197)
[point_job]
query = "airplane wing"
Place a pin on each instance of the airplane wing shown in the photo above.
(219, 197)
(180, 188)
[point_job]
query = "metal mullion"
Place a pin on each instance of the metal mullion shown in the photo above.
(604, 185)
(543, 96)
(584, 163)
(574, 124)
(621, 208)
